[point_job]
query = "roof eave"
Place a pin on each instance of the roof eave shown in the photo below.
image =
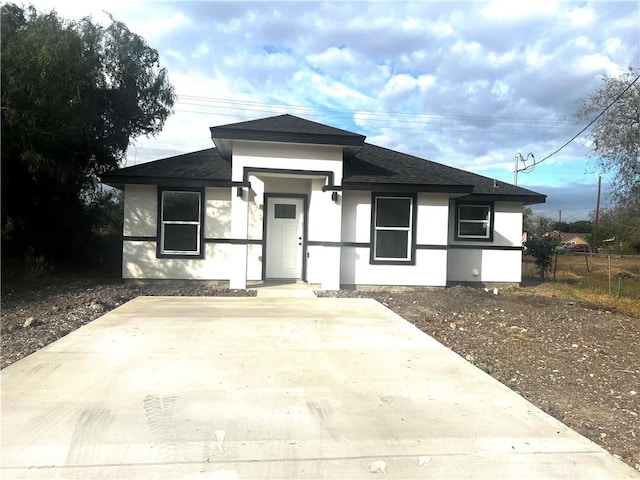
(526, 199)
(223, 142)
(118, 181)
(218, 133)
(406, 187)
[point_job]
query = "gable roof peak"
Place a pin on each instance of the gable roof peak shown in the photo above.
(285, 123)
(284, 128)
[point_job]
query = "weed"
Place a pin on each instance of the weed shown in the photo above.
(607, 280)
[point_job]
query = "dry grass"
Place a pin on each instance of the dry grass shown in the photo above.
(592, 279)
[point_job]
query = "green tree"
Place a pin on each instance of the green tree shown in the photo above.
(616, 135)
(542, 249)
(74, 94)
(581, 226)
(538, 224)
(527, 219)
(621, 224)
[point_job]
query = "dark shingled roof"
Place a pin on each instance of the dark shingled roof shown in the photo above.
(202, 168)
(287, 124)
(366, 167)
(375, 165)
(284, 128)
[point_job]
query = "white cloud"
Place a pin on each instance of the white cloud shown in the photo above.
(426, 81)
(333, 59)
(596, 62)
(174, 55)
(234, 26)
(580, 16)
(368, 22)
(471, 49)
(441, 29)
(583, 42)
(535, 59)
(500, 89)
(411, 23)
(613, 45)
(499, 60)
(157, 23)
(310, 88)
(515, 10)
(399, 85)
(201, 51)
(336, 90)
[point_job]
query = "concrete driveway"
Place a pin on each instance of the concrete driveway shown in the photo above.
(239, 388)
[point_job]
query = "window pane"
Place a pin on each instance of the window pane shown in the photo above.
(181, 238)
(474, 212)
(393, 212)
(477, 229)
(181, 206)
(284, 210)
(392, 244)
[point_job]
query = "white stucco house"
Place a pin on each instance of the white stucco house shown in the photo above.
(287, 198)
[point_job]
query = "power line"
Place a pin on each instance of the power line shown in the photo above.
(449, 126)
(531, 167)
(384, 113)
(371, 115)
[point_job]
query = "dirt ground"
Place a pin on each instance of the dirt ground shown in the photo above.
(578, 362)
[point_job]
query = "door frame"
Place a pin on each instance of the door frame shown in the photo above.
(305, 210)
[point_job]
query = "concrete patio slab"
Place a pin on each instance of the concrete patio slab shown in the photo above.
(239, 388)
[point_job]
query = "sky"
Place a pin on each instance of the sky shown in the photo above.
(465, 83)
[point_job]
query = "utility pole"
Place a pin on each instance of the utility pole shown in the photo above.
(519, 157)
(560, 224)
(594, 240)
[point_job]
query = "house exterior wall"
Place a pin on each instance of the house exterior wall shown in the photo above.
(256, 208)
(574, 239)
(284, 156)
(430, 266)
(140, 211)
(140, 262)
(275, 168)
(323, 237)
(338, 229)
(254, 228)
(140, 236)
(499, 261)
(217, 221)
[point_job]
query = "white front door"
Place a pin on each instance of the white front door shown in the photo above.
(285, 217)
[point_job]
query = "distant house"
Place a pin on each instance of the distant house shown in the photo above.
(288, 198)
(574, 238)
(575, 242)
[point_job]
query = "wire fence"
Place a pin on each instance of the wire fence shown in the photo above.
(615, 275)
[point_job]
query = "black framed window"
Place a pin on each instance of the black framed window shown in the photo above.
(180, 219)
(393, 229)
(474, 221)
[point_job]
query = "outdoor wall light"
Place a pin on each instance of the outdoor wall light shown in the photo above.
(334, 196)
(239, 192)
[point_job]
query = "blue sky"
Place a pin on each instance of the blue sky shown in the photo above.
(468, 84)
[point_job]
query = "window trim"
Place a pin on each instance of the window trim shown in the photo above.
(474, 238)
(373, 260)
(160, 251)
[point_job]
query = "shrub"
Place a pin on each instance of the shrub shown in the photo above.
(542, 249)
